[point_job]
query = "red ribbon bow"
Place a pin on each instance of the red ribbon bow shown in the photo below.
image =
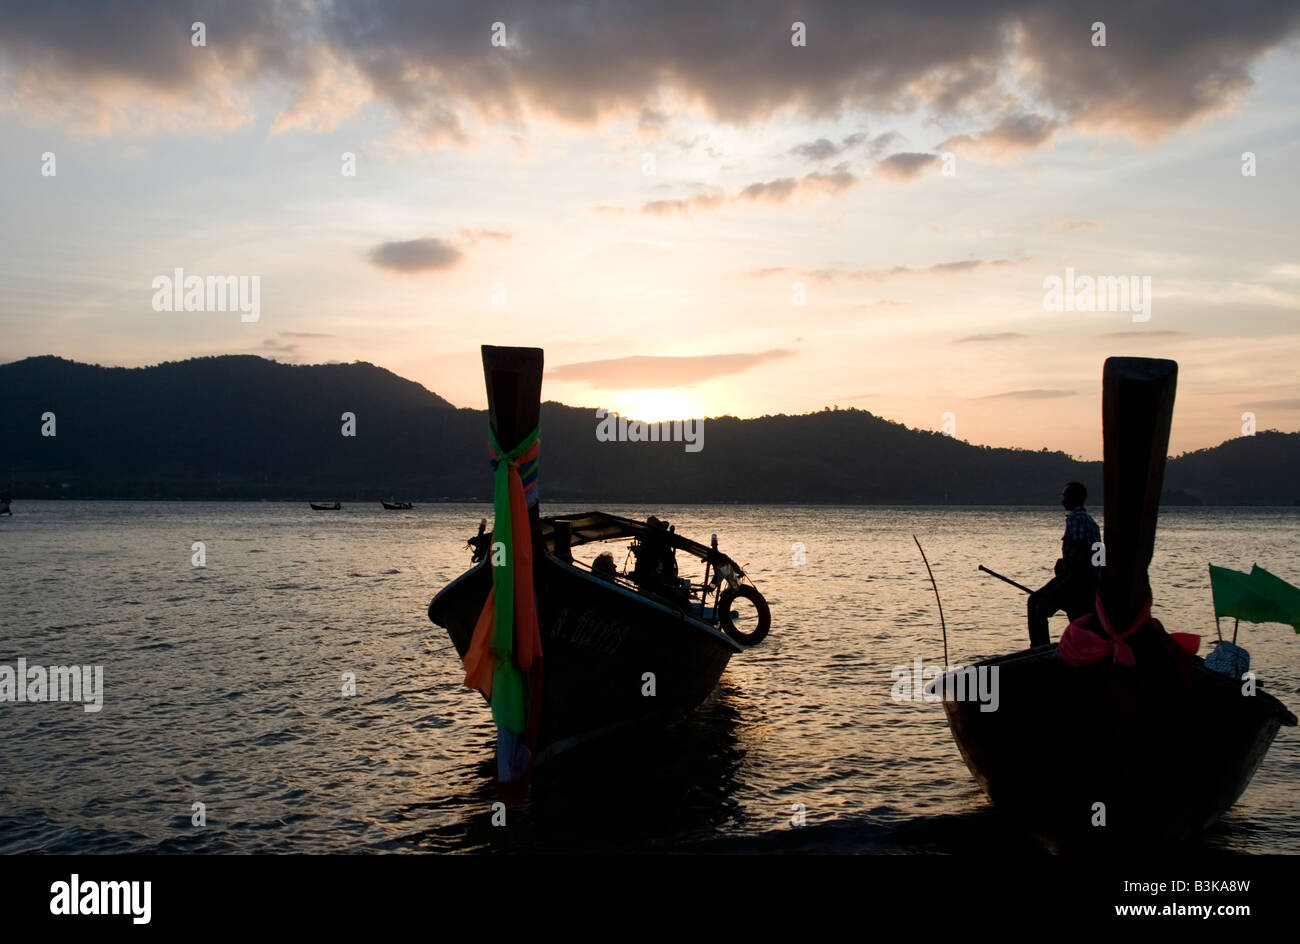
(1080, 647)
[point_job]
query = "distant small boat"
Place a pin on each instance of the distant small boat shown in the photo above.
(322, 506)
(397, 506)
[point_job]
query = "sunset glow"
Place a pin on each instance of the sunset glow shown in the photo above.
(865, 221)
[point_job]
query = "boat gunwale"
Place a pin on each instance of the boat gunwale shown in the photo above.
(1267, 703)
(680, 615)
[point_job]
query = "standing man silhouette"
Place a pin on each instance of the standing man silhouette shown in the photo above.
(1074, 588)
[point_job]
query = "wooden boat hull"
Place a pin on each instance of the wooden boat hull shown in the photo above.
(599, 639)
(1165, 760)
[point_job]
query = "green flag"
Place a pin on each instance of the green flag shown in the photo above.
(1257, 597)
(1284, 594)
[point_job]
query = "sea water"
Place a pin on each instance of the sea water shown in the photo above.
(290, 694)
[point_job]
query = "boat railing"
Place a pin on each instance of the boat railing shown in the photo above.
(696, 606)
(720, 572)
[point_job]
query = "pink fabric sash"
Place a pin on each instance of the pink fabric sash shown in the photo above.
(1080, 647)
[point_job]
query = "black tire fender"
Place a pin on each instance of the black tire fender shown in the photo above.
(764, 615)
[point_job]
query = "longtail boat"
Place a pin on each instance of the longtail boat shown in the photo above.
(565, 651)
(1119, 733)
(325, 506)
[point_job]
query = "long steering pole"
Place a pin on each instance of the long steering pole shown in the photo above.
(994, 573)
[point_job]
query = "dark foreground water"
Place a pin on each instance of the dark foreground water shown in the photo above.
(223, 684)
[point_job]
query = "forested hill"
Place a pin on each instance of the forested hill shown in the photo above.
(245, 427)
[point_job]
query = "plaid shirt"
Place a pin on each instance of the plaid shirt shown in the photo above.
(1081, 533)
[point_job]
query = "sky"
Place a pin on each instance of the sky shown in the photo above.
(697, 209)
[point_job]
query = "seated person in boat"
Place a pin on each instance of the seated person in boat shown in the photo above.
(604, 567)
(655, 570)
(1074, 587)
(481, 543)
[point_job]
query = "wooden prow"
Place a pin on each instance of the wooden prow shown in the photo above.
(514, 389)
(1137, 411)
(513, 376)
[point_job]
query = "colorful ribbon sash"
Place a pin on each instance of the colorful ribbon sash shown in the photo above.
(506, 648)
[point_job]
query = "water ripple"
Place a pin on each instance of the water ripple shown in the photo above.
(224, 686)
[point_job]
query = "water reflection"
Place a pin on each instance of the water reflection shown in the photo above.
(222, 685)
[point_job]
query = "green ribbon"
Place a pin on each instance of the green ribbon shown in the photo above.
(507, 684)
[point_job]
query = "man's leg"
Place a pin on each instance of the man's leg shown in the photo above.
(1044, 603)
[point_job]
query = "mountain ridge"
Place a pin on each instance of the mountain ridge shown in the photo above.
(245, 427)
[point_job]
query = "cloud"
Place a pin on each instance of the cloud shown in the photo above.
(782, 189)
(708, 200)
(903, 166)
(471, 235)
(1009, 137)
(102, 69)
(1069, 226)
(1029, 395)
(688, 145)
(303, 334)
(1155, 80)
(823, 149)
(665, 207)
(818, 150)
(109, 67)
(837, 181)
(1130, 335)
(650, 373)
(1287, 404)
(416, 255)
(878, 273)
(963, 265)
(880, 142)
(771, 191)
(1000, 336)
(327, 96)
(652, 122)
(776, 192)
(939, 268)
(821, 275)
(278, 350)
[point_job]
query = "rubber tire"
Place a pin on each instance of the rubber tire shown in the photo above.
(764, 615)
